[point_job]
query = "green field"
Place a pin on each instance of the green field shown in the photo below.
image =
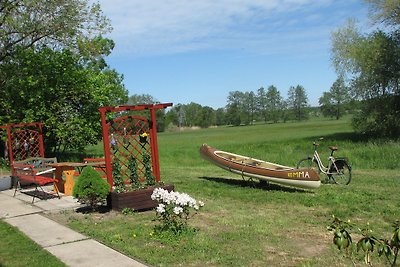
(245, 224)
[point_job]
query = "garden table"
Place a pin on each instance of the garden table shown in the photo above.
(68, 169)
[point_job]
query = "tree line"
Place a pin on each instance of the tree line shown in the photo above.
(244, 108)
(262, 105)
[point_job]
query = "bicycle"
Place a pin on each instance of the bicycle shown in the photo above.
(337, 171)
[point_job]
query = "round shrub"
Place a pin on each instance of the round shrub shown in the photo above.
(90, 188)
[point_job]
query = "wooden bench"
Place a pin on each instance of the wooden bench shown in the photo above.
(36, 172)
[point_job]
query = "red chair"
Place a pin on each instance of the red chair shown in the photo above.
(26, 174)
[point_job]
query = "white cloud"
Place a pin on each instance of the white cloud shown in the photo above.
(150, 27)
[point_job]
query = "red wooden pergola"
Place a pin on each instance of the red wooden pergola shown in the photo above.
(129, 135)
(24, 140)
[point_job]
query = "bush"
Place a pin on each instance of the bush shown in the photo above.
(90, 188)
(368, 243)
(173, 210)
(379, 117)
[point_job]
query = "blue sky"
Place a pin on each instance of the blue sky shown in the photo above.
(184, 51)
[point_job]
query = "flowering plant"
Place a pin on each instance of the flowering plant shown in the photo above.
(173, 209)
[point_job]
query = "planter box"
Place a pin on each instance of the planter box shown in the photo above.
(136, 200)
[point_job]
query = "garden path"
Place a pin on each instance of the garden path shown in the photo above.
(72, 248)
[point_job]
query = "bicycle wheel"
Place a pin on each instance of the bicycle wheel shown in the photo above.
(341, 174)
(308, 163)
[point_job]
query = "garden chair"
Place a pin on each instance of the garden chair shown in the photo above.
(37, 174)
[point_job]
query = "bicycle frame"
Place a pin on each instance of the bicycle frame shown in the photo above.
(318, 160)
(322, 168)
(337, 170)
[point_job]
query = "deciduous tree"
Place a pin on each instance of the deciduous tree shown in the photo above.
(60, 90)
(372, 63)
(249, 107)
(298, 102)
(333, 102)
(234, 107)
(262, 103)
(274, 105)
(54, 23)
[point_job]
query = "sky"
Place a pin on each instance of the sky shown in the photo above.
(184, 51)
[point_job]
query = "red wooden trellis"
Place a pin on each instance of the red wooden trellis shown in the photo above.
(130, 136)
(24, 140)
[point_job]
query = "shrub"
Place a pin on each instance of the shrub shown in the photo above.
(90, 188)
(173, 209)
(379, 117)
(368, 243)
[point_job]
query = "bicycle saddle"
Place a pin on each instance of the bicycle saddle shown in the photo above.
(333, 148)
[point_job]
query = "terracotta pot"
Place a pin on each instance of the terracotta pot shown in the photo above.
(136, 200)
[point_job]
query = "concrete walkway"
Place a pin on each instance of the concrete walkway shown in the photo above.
(72, 248)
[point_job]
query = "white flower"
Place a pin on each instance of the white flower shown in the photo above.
(170, 203)
(178, 210)
(160, 209)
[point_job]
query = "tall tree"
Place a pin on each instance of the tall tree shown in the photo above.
(385, 11)
(52, 69)
(54, 23)
(234, 107)
(372, 62)
(207, 117)
(333, 102)
(262, 103)
(249, 107)
(193, 114)
(220, 116)
(60, 90)
(181, 116)
(176, 116)
(136, 99)
(325, 105)
(298, 102)
(274, 101)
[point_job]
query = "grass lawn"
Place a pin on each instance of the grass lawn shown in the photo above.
(18, 250)
(245, 224)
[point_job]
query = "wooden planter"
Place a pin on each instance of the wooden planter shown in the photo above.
(136, 200)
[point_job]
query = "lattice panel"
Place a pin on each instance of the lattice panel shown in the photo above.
(129, 138)
(25, 144)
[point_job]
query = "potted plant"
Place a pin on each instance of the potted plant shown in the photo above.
(131, 155)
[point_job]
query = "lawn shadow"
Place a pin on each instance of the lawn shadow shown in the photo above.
(263, 185)
(98, 209)
(352, 136)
